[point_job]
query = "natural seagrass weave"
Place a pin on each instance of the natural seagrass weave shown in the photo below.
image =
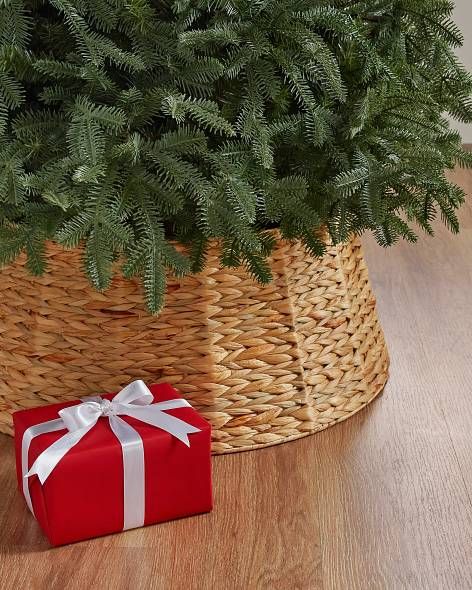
(264, 364)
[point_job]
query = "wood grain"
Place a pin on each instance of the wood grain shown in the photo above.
(382, 501)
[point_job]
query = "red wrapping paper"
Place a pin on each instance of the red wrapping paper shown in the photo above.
(83, 496)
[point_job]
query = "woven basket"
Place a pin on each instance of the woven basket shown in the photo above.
(264, 364)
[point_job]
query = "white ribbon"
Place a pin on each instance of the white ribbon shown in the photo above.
(133, 400)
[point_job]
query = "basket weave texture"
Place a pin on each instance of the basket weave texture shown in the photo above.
(264, 364)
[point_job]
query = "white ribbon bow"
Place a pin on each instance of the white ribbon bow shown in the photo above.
(133, 400)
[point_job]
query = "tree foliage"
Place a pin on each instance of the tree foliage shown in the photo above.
(130, 126)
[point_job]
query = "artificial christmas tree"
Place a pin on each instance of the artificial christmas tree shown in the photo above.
(130, 124)
(142, 132)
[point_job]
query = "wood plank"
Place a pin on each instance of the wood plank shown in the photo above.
(264, 503)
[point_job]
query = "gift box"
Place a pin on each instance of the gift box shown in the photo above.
(106, 464)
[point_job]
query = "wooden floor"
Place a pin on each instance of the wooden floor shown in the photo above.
(382, 501)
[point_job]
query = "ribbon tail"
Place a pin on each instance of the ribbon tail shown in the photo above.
(156, 417)
(50, 457)
(172, 404)
(28, 436)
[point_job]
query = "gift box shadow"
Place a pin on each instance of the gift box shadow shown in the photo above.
(19, 531)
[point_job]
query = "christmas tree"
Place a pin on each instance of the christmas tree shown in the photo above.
(136, 127)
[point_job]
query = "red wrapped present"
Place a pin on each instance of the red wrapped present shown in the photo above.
(106, 464)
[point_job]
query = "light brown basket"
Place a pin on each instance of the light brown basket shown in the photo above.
(264, 364)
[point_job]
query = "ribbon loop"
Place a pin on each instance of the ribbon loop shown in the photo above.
(136, 392)
(81, 415)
